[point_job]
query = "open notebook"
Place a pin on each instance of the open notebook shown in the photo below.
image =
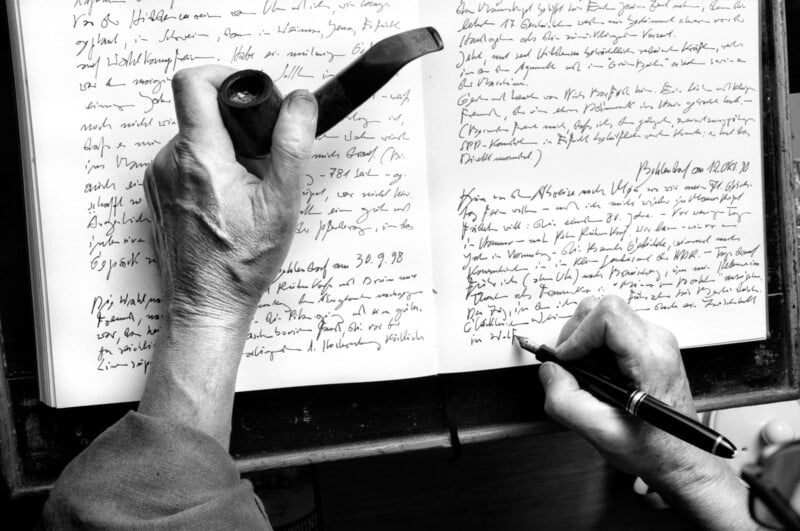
(554, 150)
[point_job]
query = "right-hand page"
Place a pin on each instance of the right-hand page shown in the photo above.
(594, 148)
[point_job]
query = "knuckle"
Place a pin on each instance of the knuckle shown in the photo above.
(663, 336)
(671, 341)
(159, 165)
(175, 163)
(587, 304)
(183, 153)
(671, 349)
(182, 78)
(549, 408)
(612, 307)
(181, 146)
(148, 183)
(613, 303)
(151, 197)
(552, 406)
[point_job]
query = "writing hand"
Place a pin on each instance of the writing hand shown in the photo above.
(649, 356)
(222, 229)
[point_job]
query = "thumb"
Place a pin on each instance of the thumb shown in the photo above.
(293, 136)
(569, 405)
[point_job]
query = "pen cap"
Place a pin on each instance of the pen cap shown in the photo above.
(249, 103)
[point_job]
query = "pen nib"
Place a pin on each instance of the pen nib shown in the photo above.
(525, 343)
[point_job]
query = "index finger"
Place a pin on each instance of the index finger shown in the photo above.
(610, 323)
(196, 108)
(584, 308)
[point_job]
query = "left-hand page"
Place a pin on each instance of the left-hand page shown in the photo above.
(355, 291)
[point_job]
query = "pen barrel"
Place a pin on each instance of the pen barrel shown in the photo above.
(663, 416)
(600, 387)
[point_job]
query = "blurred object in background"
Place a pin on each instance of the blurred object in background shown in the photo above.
(753, 428)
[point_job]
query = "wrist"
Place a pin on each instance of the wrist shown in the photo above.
(691, 475)
(215, 315)
(192, 378)
(707, 489)
(201, 349)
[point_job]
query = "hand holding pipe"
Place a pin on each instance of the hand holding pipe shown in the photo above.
(250, 102)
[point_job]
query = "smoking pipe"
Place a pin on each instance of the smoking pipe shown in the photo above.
(249, 101)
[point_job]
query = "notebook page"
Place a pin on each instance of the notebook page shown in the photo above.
(596, 148)
(353, 301)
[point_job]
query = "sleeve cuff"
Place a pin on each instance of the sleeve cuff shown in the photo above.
(150, 472)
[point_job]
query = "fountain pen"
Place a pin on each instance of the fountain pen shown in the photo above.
(639, 404)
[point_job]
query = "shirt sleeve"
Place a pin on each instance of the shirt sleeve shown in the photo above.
(149, 473)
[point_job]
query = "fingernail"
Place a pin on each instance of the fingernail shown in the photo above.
(546, 373)
(302, 104)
